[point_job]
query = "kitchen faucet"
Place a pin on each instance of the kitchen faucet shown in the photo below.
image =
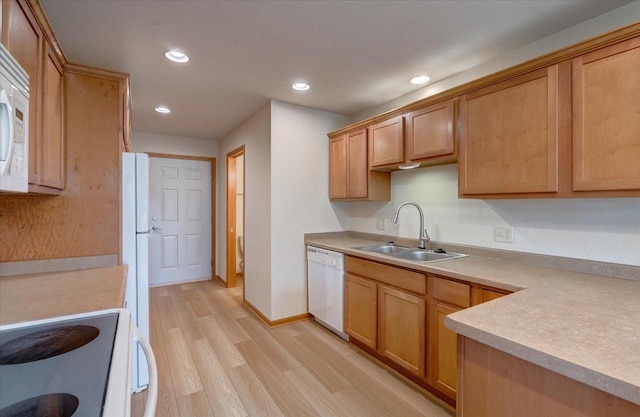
(423, 236)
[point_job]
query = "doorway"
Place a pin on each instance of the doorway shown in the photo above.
(235, 215)
(182, 218)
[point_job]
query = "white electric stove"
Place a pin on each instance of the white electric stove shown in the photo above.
(76, 366)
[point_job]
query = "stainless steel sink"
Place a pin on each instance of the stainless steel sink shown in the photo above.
(421, 255)
(384, 249)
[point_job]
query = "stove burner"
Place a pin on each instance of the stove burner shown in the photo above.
(45, 344)
(50, 405)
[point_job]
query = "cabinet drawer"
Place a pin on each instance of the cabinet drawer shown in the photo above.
(488, 295)
(401, 278)
(451, 292)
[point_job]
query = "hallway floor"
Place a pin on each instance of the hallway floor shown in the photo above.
(216, 358)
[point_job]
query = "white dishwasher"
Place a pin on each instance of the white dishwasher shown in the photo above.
(325, 272)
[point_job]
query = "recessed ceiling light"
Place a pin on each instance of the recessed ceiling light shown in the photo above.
(300, 86)
(163, 109)
(176, 56)
(420, 79)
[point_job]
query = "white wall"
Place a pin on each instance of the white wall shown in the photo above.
(614, 19)
(175, 145)
(254, 134)
(602, 229)
(299, 198)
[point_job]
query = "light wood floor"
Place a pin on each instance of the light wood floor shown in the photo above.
(216, 358)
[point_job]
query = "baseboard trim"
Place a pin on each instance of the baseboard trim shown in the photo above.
(219, 278)
(279, 322)
(166, 284)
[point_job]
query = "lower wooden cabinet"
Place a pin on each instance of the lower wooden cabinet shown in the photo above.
(402, 328)
(488, 295)
(445, 297)
(398, 316)
(442, 350)
(497, 384)
(383, 316)
(361, 310)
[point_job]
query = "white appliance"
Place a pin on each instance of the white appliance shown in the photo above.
(135, 253)
(14, 125)
(76, 365)
(325, 272)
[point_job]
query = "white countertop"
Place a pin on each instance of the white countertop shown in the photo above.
(583, 326)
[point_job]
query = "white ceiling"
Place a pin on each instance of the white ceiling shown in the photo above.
(355, 54)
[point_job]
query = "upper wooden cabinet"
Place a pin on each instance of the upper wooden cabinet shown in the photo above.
(23, 34)
(126, 116)
(606, 118)
(509, 136)
(425, 136)
(387, 142)
(51, 140)
(349, 174)
(430, 132)
(338, 167)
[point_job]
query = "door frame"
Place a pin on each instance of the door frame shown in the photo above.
(213, 196)
(231, 214)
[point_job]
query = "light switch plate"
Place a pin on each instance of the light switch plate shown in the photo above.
(503, 234)
(381, 224)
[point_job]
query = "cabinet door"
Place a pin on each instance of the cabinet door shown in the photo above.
(52, 117)
(430, 131)
(508, 136)
(387, 142)
(358, 170)
(24, 41)
(402, 328)
(338, 167)
(442, 351)
(360, 310)
(606, 124)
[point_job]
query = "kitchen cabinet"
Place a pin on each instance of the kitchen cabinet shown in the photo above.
(497, 384)
(446, 297)
(385, 311)
(126, 122)
(509, 136)
(51, 139)
(387, 142)
(489, 295)
(349, 174)
(430, 133)
(425, 136)
(402, 328)
(24, 36)
(606, 122)
(361, 310)
(398, 315)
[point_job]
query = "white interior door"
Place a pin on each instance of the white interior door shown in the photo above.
(180, 220)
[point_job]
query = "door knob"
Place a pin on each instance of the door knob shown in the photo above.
(156, 229)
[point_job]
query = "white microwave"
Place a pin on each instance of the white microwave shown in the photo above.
(14, 125)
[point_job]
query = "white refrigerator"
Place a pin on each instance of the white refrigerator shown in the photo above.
(135, 254)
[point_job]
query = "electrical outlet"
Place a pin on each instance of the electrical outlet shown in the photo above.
(381, 224)
(503, 234)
